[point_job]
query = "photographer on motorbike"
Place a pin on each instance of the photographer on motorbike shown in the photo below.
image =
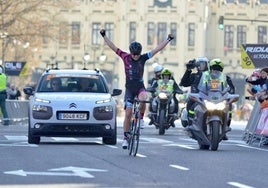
(192, 79)
(168, 84)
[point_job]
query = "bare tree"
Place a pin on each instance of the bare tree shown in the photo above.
(29, 22)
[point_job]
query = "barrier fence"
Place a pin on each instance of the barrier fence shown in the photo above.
(17, 111)
(256, 130)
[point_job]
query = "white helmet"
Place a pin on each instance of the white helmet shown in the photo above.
(1, 69)
(200, 60)
(158, 68)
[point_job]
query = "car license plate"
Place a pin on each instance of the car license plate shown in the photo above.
(74, 116)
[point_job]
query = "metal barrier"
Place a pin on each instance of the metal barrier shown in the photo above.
(17, 111)
(251, 135)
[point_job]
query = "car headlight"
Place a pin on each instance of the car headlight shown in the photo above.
(42, 100)
(212, 106)
(40, 108)
(103, 101)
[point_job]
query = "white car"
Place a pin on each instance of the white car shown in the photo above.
(80, 106)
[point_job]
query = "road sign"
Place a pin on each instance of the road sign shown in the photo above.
(254, 55)
(14, 68)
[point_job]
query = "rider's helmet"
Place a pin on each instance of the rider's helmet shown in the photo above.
(158, 68)
(201, 60)
(216, 64)
(135, 48)
(166, 72)
(1, 70)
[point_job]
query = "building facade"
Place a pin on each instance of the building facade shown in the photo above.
(194, 23)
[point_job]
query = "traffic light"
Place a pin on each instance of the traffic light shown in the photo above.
(220, 22)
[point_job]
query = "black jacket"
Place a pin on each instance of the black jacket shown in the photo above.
(193, 79)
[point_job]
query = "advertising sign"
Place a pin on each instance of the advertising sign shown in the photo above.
(14, 68)
(254, 56)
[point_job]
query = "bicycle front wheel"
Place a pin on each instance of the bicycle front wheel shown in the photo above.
(131, 142)
(136, 137)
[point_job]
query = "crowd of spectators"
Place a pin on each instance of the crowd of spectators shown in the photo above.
(258, 84)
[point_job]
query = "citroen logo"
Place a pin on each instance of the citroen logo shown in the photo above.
(72, 105)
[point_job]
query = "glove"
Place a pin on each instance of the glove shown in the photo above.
(170, 37)
(191, 64)
(102, 32)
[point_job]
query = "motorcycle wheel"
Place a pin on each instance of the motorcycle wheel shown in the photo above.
(161, 122)
(214, 142)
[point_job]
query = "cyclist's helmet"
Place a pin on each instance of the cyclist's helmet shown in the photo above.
(1, 70)
(135, 48)
(158, 68)
(216, 64)
(201, 60)
(166, 72)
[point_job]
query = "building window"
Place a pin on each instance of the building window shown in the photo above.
(191, 34)
(262, 34)
(132, 31)
(173, 30)
(109, 27)
(228, 37)
(63, 34)
(75, 33)
(95, 33)
(162, 32)
(150, 33)
(241, 35)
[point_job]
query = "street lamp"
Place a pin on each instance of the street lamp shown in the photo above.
(3, 36)
(86, 59)
(102, 57)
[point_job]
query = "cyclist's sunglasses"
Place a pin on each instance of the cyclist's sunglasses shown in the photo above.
(135, 54)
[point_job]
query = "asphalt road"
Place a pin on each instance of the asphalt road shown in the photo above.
(167, 161)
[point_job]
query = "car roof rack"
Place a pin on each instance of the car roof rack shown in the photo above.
(52, 66)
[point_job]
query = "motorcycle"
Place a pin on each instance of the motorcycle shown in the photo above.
(163, 107)
(211, 114)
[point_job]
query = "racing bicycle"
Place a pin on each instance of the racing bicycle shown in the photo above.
(135, 128)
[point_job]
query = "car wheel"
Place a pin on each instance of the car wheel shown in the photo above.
(111, 140)
(32, 139)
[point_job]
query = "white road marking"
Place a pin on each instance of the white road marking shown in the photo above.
(156, 140)
(140, 155)
(16, 138)
(240, 185)
(179, 167)
(65, 171)
(250, 147)
(181, 145)
(62, 139)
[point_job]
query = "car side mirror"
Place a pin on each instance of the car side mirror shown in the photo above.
(28, 90)
(116, 92)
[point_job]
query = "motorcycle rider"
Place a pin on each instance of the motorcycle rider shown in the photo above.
(169, 84)
(216, 66)
(157, 75)
(192, 79)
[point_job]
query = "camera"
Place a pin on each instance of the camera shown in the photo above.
(191, 64)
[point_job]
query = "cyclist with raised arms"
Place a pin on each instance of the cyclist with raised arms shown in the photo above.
(134, 68)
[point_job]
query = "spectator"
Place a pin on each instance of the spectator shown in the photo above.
(3, 95)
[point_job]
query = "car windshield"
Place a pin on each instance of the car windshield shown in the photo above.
(72, 83)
